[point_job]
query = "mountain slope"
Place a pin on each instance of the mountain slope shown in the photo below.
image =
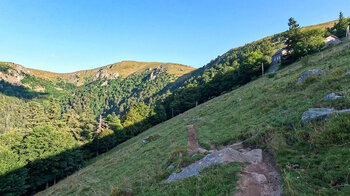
(112, 71)
(267, 116)
(112, 88)
(124, 69)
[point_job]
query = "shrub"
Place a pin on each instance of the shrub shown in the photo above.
(4, 68)
(305, 61)
(122, 192)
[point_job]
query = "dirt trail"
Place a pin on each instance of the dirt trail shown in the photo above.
(260, 179)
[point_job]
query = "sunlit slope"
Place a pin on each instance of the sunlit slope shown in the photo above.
(268, 115)
(123, 69)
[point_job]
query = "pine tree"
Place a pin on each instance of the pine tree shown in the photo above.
(35, 115)
(293, 34)
(339, 28)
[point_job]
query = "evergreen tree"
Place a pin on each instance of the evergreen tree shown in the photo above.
(311, 40)
(35, 115)
(293, 34)
(339, 28)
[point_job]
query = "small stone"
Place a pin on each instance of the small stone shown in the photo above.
(180, 155)
(348, 72)
(145, 141)
(346, 46)
(260, 178)
(307, 74)
(171, 167)
(240, 99)
(331, 96)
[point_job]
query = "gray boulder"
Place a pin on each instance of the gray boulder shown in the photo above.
(348, 72)
(319, 114)
(307, 74)
(331, 96)
(316, 114)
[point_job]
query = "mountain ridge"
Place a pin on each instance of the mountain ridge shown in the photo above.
(111, 71)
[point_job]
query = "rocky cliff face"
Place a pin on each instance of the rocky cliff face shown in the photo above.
(103, 73)
(13, 73)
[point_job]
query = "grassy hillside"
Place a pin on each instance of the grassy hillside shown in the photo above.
(268, 116)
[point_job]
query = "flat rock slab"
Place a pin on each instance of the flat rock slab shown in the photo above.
(316, 114)
(331, 96)
(307, 74)
(319, 114)
(226, 155)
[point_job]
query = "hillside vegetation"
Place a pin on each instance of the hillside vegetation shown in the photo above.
(54, 126)
(269, 116)
(124, 69)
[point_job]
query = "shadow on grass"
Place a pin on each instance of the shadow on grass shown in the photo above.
(40, 174)
(18, 91)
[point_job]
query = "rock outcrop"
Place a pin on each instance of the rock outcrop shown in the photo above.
(319, 114)
(103, 73)
(307, 74)
(13, 73)
(226, 155)
(152, 76)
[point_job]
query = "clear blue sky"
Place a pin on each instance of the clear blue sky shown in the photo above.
(70, 35)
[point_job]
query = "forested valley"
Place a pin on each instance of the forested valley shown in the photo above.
(50, 132)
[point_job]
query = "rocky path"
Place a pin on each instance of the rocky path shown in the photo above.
(260, 179)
